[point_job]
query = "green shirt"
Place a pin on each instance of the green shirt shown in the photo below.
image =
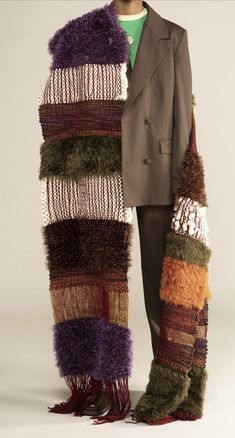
(133, 25)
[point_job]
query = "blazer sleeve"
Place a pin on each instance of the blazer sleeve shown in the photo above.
(182, 109)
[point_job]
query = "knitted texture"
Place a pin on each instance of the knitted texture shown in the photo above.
(87, 235)
(86, 82)
(86, 230)
(182, 348)
(94, 197)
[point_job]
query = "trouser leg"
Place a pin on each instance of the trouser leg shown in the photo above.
(154, 222)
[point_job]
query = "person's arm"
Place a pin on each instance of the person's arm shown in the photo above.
(182, 113)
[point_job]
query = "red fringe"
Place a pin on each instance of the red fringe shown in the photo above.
(177, 415)
(146, 419)
(185, 415)
(118, 396)
(82, 388)
(162, 420)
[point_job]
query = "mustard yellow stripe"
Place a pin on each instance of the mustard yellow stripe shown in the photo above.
(90, 300)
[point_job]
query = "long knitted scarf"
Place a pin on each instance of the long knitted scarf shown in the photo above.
(87, 231)
(178, 374)
(86, 228)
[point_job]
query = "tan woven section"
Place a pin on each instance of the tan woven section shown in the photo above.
(85, 82)
(179, 337)
(91, 197)
(202, 331)
(190, 220)
(91, 300)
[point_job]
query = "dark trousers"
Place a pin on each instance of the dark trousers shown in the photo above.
(154, 222)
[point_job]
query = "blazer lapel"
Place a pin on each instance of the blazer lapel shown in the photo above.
(153, 44)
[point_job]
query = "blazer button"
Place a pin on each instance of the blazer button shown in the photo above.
(147, 121)
(147, 160)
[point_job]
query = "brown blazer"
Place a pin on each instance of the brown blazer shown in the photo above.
(157, 115)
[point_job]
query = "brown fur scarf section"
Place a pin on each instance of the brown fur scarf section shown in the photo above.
(96, 244)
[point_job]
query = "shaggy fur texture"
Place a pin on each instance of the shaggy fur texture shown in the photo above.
(192, 175)
(90, 345)
(186, 248)
(192, 183)
(166, 389)
(76, 157)
(96, 244)
(194, 401)
(96, 37)
(183, 283)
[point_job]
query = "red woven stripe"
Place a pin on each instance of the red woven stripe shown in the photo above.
(91, 117)
(177, 336)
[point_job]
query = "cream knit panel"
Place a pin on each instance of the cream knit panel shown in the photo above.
(190, 220)
(91, 197)
(86, 82)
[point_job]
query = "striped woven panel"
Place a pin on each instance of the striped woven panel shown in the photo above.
(177, 336)
(85, 100)
(201, 342)
(185, 292)
(185, 273)
(87, 232)
(84, 295)
(189, 220)
(192, 406)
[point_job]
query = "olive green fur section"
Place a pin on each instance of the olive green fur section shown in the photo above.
(75, 157)
(187, 248)
(166, 389)
(196, 393)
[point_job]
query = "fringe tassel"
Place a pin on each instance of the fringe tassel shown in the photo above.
(162, 420)
(118, 397)
(184, 415)
(82, 388)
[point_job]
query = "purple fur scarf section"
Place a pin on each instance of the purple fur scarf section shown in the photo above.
(95, 37)
(90, 345)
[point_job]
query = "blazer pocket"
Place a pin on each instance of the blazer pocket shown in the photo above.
(166, 145)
